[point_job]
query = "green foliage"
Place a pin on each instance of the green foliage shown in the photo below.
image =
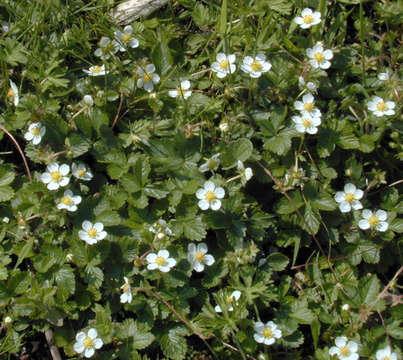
(138, 160)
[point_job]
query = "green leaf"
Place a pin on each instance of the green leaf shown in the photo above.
(25, 251)
(281, 6)
(277, 261)
(6, 193)
(396, 225)
(78, 144)
(369, 289)
(279, 144)
(237, 150)
(301, 313)
(311, 218)
(108, 218)
(93, 275)
(173, 343)
(223, 18)
(285, 206)
(7, 175)
(194, 229)
(138, 334)
(65, 279)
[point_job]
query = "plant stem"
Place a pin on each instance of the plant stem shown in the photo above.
(362, 35)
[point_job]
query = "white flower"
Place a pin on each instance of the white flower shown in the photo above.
(126, 38)
(344, 350)
(160, 261)
(224, 126)
(91, 234)
(373, 221)
(80, 172)
(246, 174)
(147, 77)
(6, 219)
(255, 67)
(198, 257)
(182, 91)
(107, 47)
(349, 198)
(306, 124)
(87, 343)
(224, 65)
(230, 300)
(161, 229)
(295, 176)
(319, 58)
(308, 18)
(12, 93)
(96, 70)
(308, 85)
(386, 354)
(35, 133)
(384, 76)
(307, 106)
(380, 107)
(266, 334)
(56, 176)
(210, 196)
(127, 296)
(68, 201)
(8, 320)
(345, 307)
(211, 164)
(88, 100)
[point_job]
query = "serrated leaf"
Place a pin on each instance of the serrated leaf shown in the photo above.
(369, 289)
(6, 193)
(7, 175)
(173, 343)
(396, 225)
(78, 144)
(108, 218)
(277, 261)
(311, 218)
(65, 279)
(237, 150)
(93, 275)
(194, 229)
(279, 144)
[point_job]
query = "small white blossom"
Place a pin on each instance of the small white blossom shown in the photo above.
(160, 261)
(198, 257)
(246, 173)
(255, 67)
(88, 100)
(373, 221)
(96, 70)
(319, 58)
(56, 176)
(224, 65)
(380, 107)
(69, 257)
(69, 201)
(306, 124)
(147, 77)
(210, 196)
(91, 234)
(126, 296)
(87, 342)
(182, 91)
(107, 47)
(386, 354)
(12, 93)
(308, 18)
(266, 333)
(295, 176)
(307, 106)
(230, 300)
(8, 320)
(80, 172)
(126, 38)
(35, 133)
(6, 219)
(311, 86)
(345, 307)
(344, 349)
(223, 126)
(211, 164)
(384, 76)
(160, 229)
(349, 198)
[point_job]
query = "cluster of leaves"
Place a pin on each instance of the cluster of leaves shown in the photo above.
(145, 150)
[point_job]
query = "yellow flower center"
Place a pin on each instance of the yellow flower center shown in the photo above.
(373, 220)
(96, 69)
(319, 57)
(88, 343)
(381, 106)
(147, 77)
(126, 288)
(160, 261)
(386, 358)
(349, 197)
(309, 106)
(66, 200)
(211, 163)
(306, 123)
(199, 256)
(210, 196)
(267, 333)
(80, 172)
(345, 351)
(256, 66)
(308, 19)
(229, 300)
(10, 93)
(126, 38)
(56, 175)
(224, 64)
(92, 232)
(35, 131)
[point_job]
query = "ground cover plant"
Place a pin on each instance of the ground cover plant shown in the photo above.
(217, 181)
